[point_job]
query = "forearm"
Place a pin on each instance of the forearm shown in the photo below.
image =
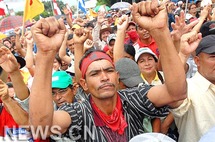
(78, 55)
(20, 88)
(119, 45)
(175, 79)
(69, 20)
(168, 120)
(29, 57)
(62, 53)
(95, 34)
(198, 26)
(40, 103)
(19, 115)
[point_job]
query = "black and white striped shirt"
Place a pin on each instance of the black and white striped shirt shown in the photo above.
(135, 105)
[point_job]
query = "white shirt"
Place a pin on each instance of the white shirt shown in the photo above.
(195, 116)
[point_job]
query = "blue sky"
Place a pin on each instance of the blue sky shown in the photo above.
(18, 5)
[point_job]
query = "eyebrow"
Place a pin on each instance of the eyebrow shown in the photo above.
(99, 70)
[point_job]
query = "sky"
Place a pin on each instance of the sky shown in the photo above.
(18, 5)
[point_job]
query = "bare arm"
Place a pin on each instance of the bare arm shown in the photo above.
(118, 49)
(18, 45)
(48, 34)
(80, 36)
(10, 65)
(29, 57)
(19, 115)
(154, 20)
(62, 51)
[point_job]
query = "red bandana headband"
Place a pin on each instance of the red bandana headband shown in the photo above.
(94, 56)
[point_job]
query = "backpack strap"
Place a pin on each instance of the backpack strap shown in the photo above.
(160, 77)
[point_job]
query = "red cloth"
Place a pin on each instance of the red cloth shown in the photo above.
(152, 45)
(94, 56)
(115, 121)
(6, 120)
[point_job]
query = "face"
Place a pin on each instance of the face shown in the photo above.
(7, 43)
(61, 96)
(206, 65)
(101, 80)
(111, 45)
(126, 55)
(131, 27)
(11, 92)
(104, 35)
(193, 9)
(12, 39)
(70, 45)
(56, 65)
(146, 64)
(143, 34)
(64, 66)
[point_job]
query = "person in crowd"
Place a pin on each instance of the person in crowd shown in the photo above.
(100, 79)
(101, 32)
(145, 40)
(110, 43)
(188, 115)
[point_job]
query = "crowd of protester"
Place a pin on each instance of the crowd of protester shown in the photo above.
(112, 77)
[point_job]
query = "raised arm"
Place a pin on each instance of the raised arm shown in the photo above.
(180, 28)
(62, 51)
(19, 115)
(9, 63)
(29, 57)
(48, 34)
(80, 36)
(118, 49)
(18, 45)
(153, 17)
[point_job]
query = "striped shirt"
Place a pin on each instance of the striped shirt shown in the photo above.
(135, 105)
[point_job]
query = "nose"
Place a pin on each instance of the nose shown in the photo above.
(104, 76)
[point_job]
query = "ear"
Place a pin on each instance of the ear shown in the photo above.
(197, 60)
(83, 84)
(117, 73)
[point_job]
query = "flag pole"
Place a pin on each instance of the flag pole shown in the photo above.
(77, 8)
(52, 6)
(23, 20)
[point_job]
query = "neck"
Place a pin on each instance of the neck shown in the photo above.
(149, 77)
(107, 106)
(146, 41)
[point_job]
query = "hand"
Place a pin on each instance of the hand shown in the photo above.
(3, 91)
(65, 11)
(149, 15)
(7, 60)
(205, 12)
(122, 23)
(88, 44)
(80, 36)
(180, 27)
(101, 17)
(28, 38)
(17, 31)
(189, 42)
(48, 34)
(22, 42)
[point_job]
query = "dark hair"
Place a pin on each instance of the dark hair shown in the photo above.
(129, 49)
(70, 36)
(191, 5)
(9, 84)
(89, 24)
(6, 39)
(57, 57)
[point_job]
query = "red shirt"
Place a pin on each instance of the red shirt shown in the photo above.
(152, 45)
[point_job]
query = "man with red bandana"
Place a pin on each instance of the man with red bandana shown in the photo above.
(108, 115)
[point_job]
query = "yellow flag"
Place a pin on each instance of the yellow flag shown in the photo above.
(32, 9)
(92, 13)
